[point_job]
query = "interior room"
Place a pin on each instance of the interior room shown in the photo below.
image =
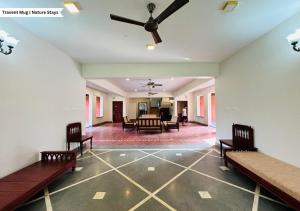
(125, 100)
(149, 105)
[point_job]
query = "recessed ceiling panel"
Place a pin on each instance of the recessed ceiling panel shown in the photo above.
(200, 30)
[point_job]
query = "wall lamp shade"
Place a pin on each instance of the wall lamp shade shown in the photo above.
(294, 40)
(229, 6)
(72, 7)
(3, 35)
(7, 43)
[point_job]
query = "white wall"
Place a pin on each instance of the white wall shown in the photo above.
(41, 91)
(107, 86)
(132, 106)
(260, 86)
(150, 70)
(107, 114)
(205, 92)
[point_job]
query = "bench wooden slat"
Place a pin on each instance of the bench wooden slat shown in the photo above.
(242, 138)
(149, 124)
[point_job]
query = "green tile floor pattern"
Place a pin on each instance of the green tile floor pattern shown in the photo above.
(128, 185)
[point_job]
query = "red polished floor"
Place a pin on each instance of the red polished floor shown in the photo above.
(113, 134)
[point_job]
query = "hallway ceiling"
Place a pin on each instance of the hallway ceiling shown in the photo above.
(136, 85)
(200, 30)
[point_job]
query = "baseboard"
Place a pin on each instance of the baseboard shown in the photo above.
(199, 123)
(102, 123)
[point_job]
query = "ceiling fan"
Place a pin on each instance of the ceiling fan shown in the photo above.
(152, 24)
(152, 84)
(152, 93)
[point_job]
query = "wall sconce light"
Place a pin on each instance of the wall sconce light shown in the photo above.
(294, 40)
(7, 43)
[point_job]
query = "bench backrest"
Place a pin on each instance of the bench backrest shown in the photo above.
(149, 122)
(57, 156)
(74, 131)
(242, 137)
(125, 121)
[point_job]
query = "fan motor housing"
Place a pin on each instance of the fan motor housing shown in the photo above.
(151, 25)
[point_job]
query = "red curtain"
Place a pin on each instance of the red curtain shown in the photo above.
(213, 108)
(98, 107)
(87, 109)
(202, 106)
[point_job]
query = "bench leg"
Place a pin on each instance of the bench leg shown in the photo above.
(68, 146)
(221, 149)
(91, 144)
(81, 148)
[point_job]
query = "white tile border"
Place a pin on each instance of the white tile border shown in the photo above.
(149, 149)
(100, 174)
(83, 158)
(152, 195)
(209, 154)
(219, 180)
(136, 184)
(256, 198)
(47, 200)
(166, 184)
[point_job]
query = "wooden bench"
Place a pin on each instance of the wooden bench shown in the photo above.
(74, 135)
(126, 123)
(173, 124)
(20, 186)
(240, 134)
(280, 178)
(149, 124)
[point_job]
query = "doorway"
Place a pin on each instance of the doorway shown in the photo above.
(180, 106)
(117, 111)
(211, 109)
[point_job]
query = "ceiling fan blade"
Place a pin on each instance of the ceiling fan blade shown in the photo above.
(126, 20)
(157, 84)
(156, 37)
(176, 5)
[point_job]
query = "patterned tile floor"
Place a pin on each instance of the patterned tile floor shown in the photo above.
(120, 179)
(113, 134)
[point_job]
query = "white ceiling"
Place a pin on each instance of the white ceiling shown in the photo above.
(136, 85)
(199, 30)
